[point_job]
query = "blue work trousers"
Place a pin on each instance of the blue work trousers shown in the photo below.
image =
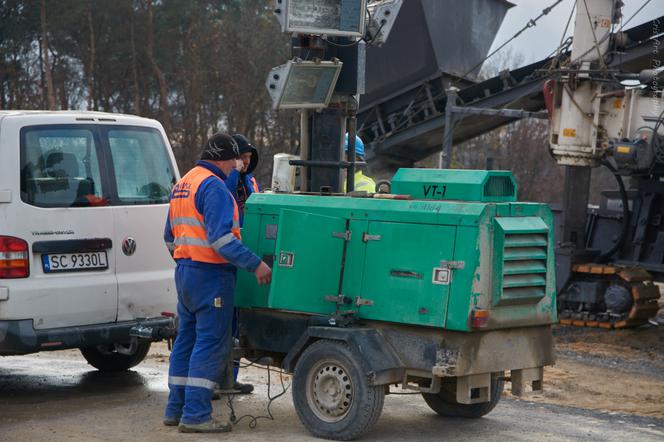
(203, 345)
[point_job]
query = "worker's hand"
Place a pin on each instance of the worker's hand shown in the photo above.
(263, 273)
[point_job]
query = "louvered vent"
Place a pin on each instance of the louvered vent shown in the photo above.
(524, 268)
(499, 186)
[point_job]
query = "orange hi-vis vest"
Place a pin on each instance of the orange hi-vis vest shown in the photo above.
(187, 223)
(254, 185)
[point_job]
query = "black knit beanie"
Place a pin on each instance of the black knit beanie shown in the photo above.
(220, 147)
(243, 144)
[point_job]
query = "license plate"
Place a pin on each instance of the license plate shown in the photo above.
(74, 262)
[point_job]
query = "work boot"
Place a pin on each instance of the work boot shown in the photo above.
(243, 388)
(171, 421)
(211, 426)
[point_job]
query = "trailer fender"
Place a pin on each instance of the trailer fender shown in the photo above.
(379, 360)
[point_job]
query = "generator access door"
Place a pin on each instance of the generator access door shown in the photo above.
(405, 276)
(307, 263)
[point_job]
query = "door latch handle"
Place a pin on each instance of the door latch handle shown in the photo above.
(361, 301)
(339, 299)
(366, 237)
(342, 235)
(453, 265)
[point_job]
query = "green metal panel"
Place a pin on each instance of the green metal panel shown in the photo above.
(456, 184)
(398, 271)
(355, 258)
(472, 282)
(419, 212)
(307, 263)
(259, 234)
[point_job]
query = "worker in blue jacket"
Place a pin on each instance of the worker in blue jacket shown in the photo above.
(241, 182)
(203, 235)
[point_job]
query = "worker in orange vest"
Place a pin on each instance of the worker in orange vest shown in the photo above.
(203, 234)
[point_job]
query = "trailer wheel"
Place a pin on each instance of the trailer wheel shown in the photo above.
(107, 358)
(445, 404)
(332, 396)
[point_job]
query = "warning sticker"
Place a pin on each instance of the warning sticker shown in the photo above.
(569, 132)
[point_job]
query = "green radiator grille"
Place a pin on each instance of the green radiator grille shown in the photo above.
(524, 268)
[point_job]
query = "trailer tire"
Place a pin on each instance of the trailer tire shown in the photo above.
(106, 358)
(445, 404)
(331, 393)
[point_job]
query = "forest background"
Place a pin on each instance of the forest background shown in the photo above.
(199, 66)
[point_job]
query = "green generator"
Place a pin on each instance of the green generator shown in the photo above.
(442, 287)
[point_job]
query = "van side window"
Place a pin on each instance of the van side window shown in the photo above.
(143, 170)
(59, 168)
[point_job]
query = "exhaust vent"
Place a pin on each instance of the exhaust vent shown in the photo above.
(522, 245)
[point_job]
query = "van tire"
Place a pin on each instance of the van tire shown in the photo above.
(106, 358)
(445, 404)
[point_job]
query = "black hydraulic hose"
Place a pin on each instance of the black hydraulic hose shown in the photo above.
(625, 221)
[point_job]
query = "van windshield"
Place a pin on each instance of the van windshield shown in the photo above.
(90, 165)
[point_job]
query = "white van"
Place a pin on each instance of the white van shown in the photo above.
(83, 201)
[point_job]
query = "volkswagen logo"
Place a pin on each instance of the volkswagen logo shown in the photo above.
(129, 246)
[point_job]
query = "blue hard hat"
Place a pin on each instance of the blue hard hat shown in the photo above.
(359, 146)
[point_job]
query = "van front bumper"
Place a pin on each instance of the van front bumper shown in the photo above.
(20, 337)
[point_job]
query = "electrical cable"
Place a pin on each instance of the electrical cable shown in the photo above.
(253, 420)
(364, 38)
(626, 216)
(580, 109)
(563, 41)
(531, 23)
(655, 147)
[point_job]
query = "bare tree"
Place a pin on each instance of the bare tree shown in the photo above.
(164, 114)
(92, 102)
(50, 90)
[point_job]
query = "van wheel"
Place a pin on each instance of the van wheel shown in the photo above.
(331, 394)
(445, 404)
(107, 357)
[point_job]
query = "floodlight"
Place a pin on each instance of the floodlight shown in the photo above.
(382, 15)
(345, 18)
(303, 84)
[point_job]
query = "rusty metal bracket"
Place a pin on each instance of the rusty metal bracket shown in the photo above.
(527, 377)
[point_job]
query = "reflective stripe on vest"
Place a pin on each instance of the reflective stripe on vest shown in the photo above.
(254, 185)
(188, 225)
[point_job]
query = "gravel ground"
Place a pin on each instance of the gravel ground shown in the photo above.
(58, 397)
(606, 385)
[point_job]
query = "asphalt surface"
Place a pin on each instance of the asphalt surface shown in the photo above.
(57, 396)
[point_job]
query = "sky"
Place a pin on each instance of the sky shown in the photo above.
(539, 41)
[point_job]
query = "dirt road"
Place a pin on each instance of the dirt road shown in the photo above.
(57, 396)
